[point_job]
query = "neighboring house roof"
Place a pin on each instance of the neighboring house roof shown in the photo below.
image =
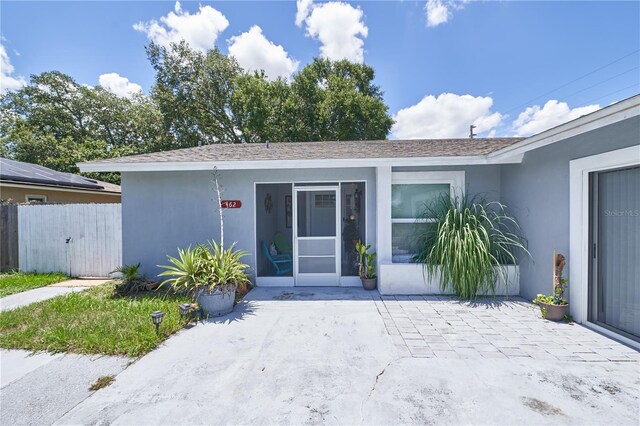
(17, 172)
(336, 152)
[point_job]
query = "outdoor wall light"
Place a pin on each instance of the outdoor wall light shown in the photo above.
(185, 310)
(156, 317)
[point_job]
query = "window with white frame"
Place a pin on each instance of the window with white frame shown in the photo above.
(325, 200)
(411, 193)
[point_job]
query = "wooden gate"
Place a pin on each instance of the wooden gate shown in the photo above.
(8, 237)
(81, 240)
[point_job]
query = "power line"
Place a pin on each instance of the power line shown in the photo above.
(636, 85)
(573, 81)
(600, 82)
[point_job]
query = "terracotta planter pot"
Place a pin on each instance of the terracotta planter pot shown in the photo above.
(553, 312)
(368, 283)
(151, 285)
(216, 303)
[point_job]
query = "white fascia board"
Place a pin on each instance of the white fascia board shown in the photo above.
(10, 184)
(294, 164)
(601, 118)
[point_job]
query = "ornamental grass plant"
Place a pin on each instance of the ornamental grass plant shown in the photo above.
(467, 242)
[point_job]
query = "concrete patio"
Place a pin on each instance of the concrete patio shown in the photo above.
(345, 356)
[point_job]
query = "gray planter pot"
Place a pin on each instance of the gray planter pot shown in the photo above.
(554, 312)
(216, 303)
(368, 283)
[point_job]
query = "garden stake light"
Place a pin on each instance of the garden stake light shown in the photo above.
(156, 317)
(185, 311)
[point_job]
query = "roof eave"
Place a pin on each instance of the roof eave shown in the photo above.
(293, 164)
(15, 184)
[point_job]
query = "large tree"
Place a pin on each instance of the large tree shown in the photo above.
(56, 122)
(193, 91)
(198, 98)
(338, 101)
(207, 98)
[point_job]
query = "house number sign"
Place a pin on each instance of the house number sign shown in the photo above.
(231, 204)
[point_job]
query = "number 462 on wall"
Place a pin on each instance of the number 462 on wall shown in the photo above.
(231, 204)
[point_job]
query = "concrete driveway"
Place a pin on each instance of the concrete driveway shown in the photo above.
(325, 356)
(37, 389)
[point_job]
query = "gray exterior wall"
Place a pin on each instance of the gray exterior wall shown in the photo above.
(162, 211)
(537, 191)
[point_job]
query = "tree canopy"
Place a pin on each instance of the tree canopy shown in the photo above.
(56, 122)
(197, 99)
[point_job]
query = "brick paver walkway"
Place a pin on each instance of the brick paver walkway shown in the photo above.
(445, 327)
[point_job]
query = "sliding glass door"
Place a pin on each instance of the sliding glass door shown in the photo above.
(614, 296)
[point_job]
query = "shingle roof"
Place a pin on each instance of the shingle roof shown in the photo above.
(27, 173)
(324, 150)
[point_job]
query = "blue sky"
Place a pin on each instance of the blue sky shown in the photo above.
(442, 65)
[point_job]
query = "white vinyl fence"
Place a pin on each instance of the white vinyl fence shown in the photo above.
(81, 240)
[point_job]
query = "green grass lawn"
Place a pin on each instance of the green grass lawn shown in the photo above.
(16, 282)
(91, 322)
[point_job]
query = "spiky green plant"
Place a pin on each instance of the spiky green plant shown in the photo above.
(466, 242)
(185, 271)
(206, 267)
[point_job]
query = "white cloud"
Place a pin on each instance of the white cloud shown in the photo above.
(200, 30)
(254, 52)
(439, 12)
(7, 80)
(338, 26)
(446, 116)
(118, 85)
(535, 119)
(303, 8)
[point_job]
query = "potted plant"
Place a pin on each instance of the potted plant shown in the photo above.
(210, 274)
(554, 307)
(466, 243)
(366, 267)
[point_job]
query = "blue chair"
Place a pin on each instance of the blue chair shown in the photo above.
(282, 263)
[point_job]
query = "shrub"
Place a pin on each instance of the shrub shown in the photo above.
(466, 241)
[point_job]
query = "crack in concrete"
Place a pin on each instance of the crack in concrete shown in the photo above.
(373, 388)
(378, 378)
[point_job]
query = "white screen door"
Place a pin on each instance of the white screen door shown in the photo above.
(316, 229)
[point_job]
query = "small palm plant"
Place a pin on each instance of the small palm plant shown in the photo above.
(129, 272)
(467, 242)
(131, 281)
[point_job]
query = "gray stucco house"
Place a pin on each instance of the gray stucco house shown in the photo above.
(574, 188)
